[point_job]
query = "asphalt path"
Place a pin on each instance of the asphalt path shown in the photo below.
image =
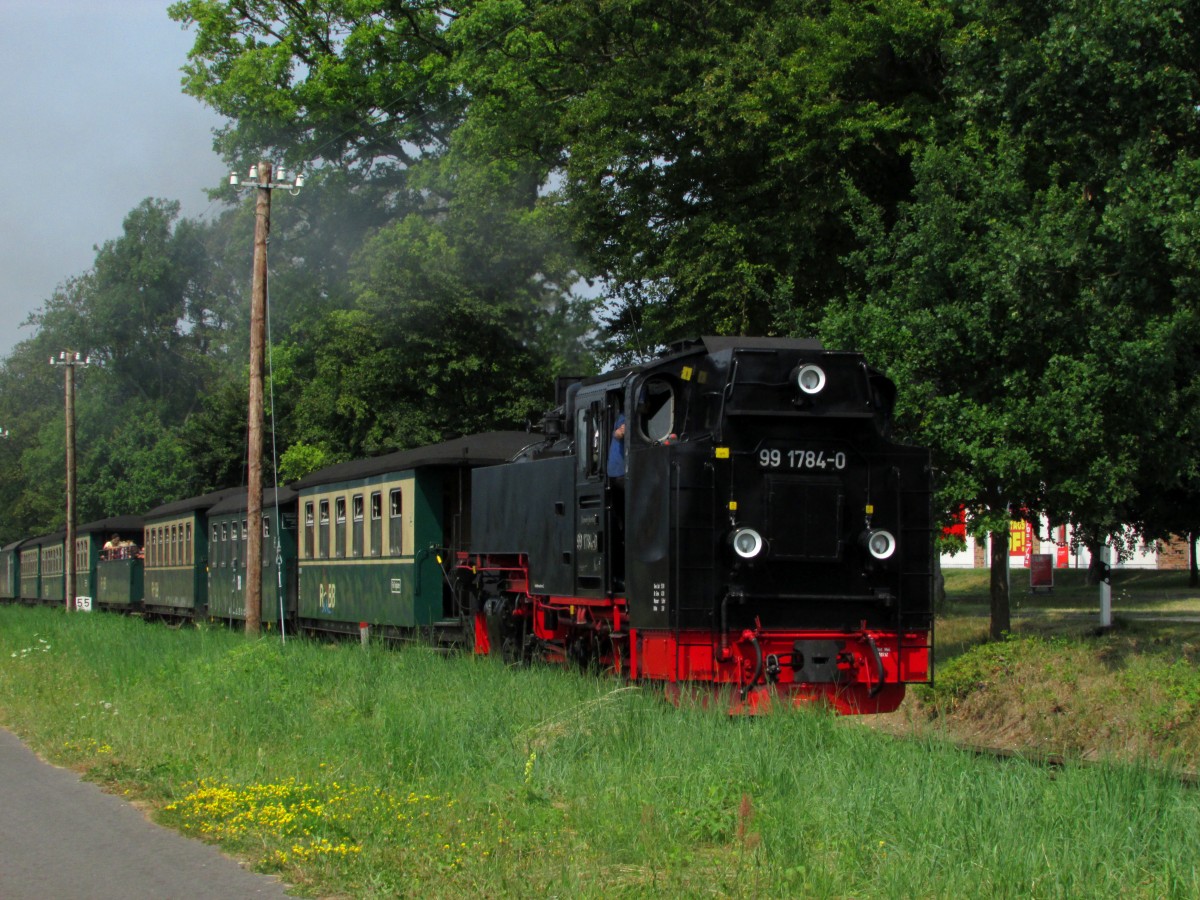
(62, 838)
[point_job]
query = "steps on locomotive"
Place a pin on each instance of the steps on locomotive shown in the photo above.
(448, 632)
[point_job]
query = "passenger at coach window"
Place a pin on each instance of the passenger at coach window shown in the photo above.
(616, 451)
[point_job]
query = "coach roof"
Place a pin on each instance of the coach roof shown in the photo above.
(111, 525)
(237, 501)
(488, 449)
(190, 504)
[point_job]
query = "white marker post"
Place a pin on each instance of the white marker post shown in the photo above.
(1106, 588)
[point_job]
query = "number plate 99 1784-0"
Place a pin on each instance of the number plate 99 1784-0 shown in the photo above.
(796, 459)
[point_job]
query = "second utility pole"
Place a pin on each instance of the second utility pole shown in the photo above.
(258, 318)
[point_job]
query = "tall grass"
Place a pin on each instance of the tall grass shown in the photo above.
(378, 772)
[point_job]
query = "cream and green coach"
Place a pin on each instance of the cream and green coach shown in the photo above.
(228, 540)
(374, 535)
(176, 551)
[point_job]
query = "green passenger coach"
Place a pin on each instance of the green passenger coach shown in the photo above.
(42, 569)
(371, 533)
(228, 533)
(10, 571)
(53, 569)
(108, 564)
(176, 550)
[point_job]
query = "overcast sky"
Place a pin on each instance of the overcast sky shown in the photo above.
(92, 121)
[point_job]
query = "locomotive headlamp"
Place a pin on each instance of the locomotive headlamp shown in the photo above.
(880, 544)
(810, 379)
(746, 542)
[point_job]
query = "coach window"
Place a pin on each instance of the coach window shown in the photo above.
(339, 532)
(268, 553)
(396, 523)
(356, 513)
(309, 548)
(377, 523)
(187, 543)
(323, 529)
(656, 410)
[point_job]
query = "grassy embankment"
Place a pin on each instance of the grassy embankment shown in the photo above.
(367, 773)
(1057, 686)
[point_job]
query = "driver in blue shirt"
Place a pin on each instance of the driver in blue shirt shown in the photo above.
(616, 450)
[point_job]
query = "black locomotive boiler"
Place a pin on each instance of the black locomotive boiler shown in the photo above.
(767, 535)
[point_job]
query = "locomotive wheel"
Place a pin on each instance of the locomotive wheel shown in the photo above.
(507, 632)
(581, 651)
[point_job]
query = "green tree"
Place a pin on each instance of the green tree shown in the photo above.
(1034, 298)
(146, 312)
(371, 94)
(706, 153)
(133, 467)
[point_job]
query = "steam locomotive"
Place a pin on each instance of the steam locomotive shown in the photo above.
(766, 534)
(761, 534)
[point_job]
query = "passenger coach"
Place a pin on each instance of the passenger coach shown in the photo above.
(176, 548)
(228, 537)
(10, 571)
(112, 578)
(372, 532)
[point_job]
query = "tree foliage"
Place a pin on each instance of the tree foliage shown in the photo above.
(704, 152)
(1033, 296)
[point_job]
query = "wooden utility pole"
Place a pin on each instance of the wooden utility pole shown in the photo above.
(261, 180)
(69, 359)
(69, 549)
(258, 330)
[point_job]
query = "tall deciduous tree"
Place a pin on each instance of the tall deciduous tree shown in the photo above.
(147, 311)
(706, 151)
(372, 94)
(1035, 296)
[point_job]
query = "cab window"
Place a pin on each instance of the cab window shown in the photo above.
(656, 410)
